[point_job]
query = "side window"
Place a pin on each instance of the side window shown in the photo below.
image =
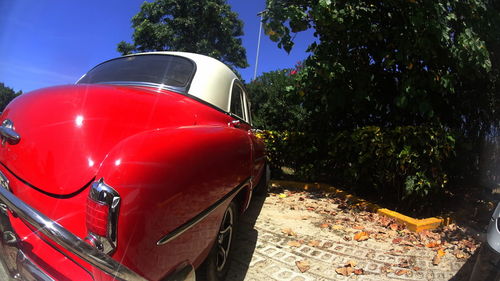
(237, 106)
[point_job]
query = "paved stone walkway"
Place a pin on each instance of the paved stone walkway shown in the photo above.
(265, 251)
(3, 274)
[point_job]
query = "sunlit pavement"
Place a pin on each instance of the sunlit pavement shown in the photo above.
(3, 275)
(273, 245)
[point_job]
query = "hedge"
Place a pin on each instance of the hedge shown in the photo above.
(405, 163)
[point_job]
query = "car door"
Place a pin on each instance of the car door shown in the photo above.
(240, 109)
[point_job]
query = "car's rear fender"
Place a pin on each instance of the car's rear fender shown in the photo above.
(167, 177)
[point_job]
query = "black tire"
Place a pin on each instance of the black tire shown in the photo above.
(263, 186)
(217, 264)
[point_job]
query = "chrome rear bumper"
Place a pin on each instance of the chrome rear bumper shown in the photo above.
(14, 261)
(20, 267)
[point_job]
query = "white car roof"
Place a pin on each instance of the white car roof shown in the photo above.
(212, 81)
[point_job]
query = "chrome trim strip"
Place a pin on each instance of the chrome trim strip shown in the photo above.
(28, 269)
(41, 237)
(4, 182)
(179, 90)
(66, 239)
(198, 218)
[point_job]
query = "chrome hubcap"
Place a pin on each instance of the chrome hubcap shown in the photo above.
(224, 239)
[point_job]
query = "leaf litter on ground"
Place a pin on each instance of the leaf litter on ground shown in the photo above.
(351, 223)
(349, 268)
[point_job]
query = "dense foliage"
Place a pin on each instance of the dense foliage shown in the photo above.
(275, 103)
(206, 27)
(393, 79)
(400, 164)
(397, 62)
(6, 95)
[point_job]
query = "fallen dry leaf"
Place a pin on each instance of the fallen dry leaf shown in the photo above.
(394, 226)
(288, 231)
(282, 195)
(348, 269)
(401, 272)
(337, 227)
(358, 227)
(343, 206)
(294, 243)
(361, 236)
(345, 271)
(386, 268)
(328, 245)
(359, 271)
(397, 240)
(303, 266)
(351, 263)
(432, 244)
(416, 268)
(407, 243)
(313, 243)
(404, 263)
(459, 254)
(324, 225)
(384, 221)
(437, 258)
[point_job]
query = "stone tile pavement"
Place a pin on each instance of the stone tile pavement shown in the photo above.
(263, 251)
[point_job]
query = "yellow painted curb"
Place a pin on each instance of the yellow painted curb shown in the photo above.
(412, 224)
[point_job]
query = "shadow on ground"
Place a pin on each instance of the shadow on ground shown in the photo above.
(246, 240)
(464, 273)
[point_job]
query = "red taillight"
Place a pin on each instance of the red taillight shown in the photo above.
(97, 217)
(103, 205)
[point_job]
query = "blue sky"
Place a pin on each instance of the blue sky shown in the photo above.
(45, 43)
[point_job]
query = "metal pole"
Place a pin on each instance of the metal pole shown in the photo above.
(258, 46)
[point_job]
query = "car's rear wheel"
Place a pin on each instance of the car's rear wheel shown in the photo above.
(217, 264)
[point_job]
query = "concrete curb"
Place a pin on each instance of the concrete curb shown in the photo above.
(412, 224)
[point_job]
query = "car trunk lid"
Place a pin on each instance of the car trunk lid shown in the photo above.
(67, 131)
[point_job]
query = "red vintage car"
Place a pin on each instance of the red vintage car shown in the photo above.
(139, 171)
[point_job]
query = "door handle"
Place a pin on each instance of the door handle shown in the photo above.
(235, 123)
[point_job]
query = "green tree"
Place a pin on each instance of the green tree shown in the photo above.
(391, 63)
(206, 27)
(419, 78)
(275, 103)
(6, 95)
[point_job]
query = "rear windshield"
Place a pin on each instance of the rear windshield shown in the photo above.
(168, 70)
